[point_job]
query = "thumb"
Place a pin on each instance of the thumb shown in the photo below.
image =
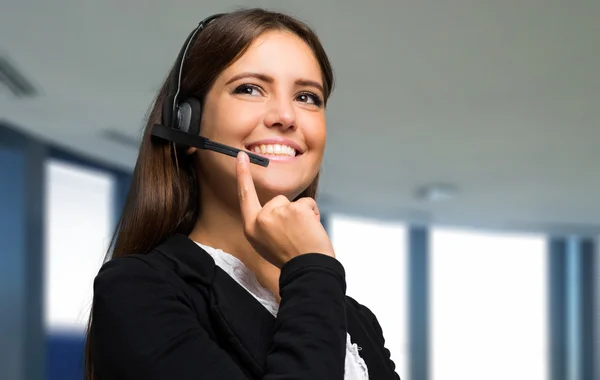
(249, 203)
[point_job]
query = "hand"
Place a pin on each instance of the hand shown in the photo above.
(281, 230)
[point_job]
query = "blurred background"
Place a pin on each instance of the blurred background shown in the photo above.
(460, 185)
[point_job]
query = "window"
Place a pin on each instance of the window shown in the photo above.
(488, 306)
(79, 219)
(374, 256)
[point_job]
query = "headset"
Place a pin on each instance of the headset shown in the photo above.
(181, 118)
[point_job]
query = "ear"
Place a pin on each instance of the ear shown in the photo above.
(191, 150)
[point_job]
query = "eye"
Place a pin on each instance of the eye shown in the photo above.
(310, 98)
(248, 89)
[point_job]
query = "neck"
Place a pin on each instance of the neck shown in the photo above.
(220, 226)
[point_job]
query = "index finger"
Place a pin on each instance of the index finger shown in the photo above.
(249, 203)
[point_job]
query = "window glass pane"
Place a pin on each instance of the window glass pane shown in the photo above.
(374, 256)
(79, 218)
(488, 306)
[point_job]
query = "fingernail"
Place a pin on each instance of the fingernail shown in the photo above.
(241, 157)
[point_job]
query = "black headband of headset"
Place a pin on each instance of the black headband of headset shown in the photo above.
(172, 98)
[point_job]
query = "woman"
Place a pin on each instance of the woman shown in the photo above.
(221, 269)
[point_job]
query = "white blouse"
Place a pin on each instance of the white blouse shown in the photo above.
(355, 367)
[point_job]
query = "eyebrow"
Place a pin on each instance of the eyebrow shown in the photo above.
(269, 79)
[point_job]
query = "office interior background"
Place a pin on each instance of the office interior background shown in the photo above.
(460, 184)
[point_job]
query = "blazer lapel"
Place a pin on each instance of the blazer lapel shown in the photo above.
(242, 325)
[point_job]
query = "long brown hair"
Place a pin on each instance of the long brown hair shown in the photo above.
(163, 198)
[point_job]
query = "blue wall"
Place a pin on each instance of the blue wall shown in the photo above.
(64, 358)
(12, 291)
(21, 274)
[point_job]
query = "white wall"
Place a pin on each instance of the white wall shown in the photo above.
(79, 218)
(374, 256)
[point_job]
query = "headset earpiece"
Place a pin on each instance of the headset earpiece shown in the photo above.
(189, 114)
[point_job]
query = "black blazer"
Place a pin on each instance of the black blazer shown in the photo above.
(173, 314)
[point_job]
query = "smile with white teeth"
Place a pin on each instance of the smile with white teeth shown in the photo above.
(274, 150)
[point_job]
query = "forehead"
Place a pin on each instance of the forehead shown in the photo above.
(280, 54)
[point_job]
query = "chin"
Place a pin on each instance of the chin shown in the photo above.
(274, 183)
(266, 194)
(269, 191)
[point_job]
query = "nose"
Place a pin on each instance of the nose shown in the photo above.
(281, 114)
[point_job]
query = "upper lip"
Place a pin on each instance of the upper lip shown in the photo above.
(277, 140)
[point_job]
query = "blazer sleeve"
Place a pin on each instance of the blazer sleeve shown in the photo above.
(142, 328)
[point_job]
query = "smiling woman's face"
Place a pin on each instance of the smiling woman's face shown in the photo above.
(271, 102)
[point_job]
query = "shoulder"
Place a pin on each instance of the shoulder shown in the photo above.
(142, 319)
(127, 290)
(124, 278)
(358, 307)
(126, 269)
(364, 314)
(131, 278)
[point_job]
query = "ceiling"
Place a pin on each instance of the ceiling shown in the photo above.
(500, 99)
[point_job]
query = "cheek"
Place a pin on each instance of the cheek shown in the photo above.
(232, 126)
(316, 135)
(228, 123)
